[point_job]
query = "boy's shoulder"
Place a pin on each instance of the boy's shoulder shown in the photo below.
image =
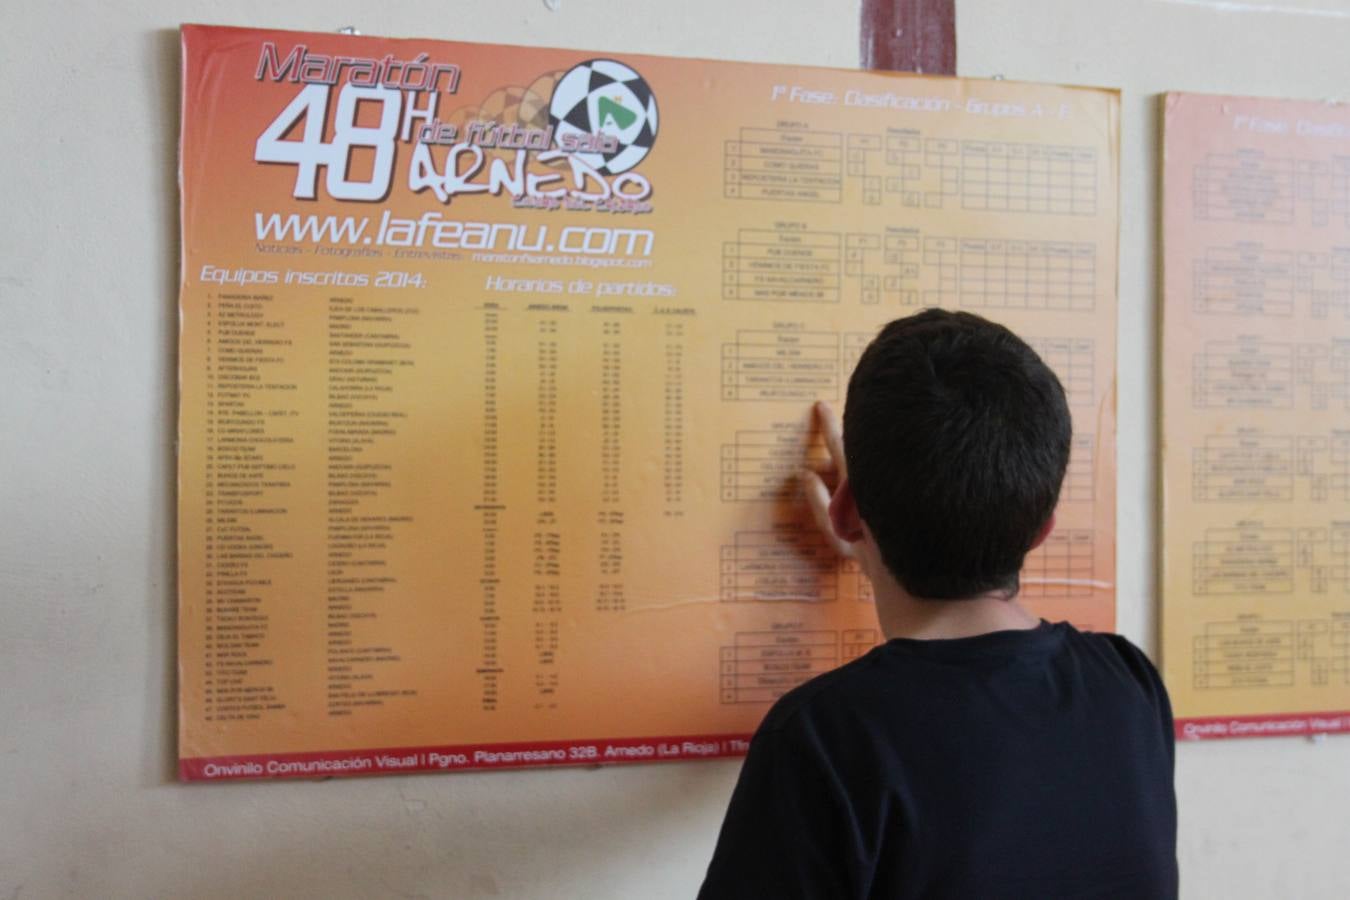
(904, 673)
(827, 690)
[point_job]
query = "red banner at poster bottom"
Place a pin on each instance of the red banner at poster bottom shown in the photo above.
(333, 763)
(1282, 725)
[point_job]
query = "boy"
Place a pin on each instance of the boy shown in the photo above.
(980, 752)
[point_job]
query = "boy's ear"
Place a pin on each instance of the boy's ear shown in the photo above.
(1044, 533)
(844, 516)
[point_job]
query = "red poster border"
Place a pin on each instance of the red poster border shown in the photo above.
(462, 757)
(1211, 728)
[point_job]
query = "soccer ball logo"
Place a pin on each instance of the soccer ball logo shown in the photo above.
(604, 96)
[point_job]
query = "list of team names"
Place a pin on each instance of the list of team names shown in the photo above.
(269, 411)
(368, 345)
(251, 421)
(257, 417)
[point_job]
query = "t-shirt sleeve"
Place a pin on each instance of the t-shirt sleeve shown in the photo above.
(1148, 677)
(790, 831)
(1168, 724)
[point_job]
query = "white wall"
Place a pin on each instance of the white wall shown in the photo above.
(88, 120)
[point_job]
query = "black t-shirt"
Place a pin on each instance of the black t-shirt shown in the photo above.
(1031, 763)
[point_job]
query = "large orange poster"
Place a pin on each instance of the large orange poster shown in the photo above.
(1256, 391)
(496, 370)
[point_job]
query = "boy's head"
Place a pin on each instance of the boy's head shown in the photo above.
(956, 437)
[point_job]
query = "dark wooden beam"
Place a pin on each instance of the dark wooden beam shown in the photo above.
(909, 36)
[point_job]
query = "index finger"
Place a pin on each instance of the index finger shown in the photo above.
(833, 433)
(818, 501)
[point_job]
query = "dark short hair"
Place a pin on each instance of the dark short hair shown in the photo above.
(956, 437)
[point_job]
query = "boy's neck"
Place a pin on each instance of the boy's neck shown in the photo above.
(937, 620)
(902, 615)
